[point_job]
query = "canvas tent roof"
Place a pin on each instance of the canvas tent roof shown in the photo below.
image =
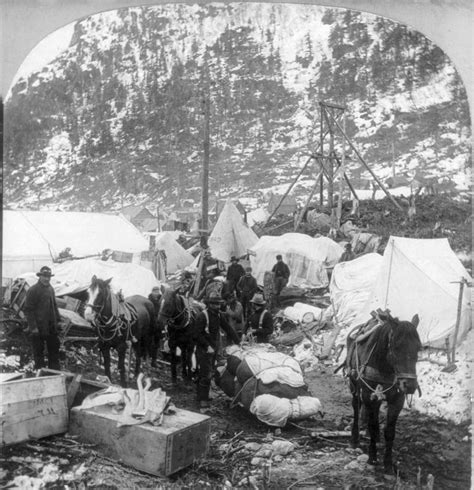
(420, 276)
(307, 257)
(176, 256)
(32, 238)
(351, 285)
(230, 236)
(75, 275)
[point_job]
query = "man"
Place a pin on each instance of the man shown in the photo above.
(281, 274)
(246, 288)
(235, 315)
(260, 322)
(234, 272)
(213, 284)
(155, 297)
(42, 315)
(348, 254)
(206, 336)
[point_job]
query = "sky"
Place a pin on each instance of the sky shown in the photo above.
(45, 51)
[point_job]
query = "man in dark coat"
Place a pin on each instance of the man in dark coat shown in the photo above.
(281, 274)
(206, 336)
(234, 272)
(260, 321)
(246, 288)
(42, 315)
(155, 298)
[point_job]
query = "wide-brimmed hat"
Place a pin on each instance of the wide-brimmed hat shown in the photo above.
(45, 271)
(234, 259)
(258, 299)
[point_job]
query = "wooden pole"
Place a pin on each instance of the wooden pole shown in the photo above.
(341, 169)
(313, 190)
(366, 165)
(205, 169)
(462, 282)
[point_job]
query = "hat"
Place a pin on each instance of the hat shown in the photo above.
(214, 298)
(45, 271)
(348, 245)
(258, 299)
(156, 288)
(234, 259)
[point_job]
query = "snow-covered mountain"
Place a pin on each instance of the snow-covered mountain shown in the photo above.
(118, 117)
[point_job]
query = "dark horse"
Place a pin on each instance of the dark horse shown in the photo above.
(118, 321)
(178, 314)
(382, 366)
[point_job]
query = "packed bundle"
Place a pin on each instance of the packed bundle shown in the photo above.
(259, 370)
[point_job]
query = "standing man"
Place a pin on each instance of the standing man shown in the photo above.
(235, 315)
(246, 288)
(42, 314)
(156, 335)
(260, 322)
(234, 273)
(281, 274)
(206, 336)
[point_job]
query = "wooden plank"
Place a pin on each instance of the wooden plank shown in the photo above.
(178, 442)
(5, 377)
(32, 408)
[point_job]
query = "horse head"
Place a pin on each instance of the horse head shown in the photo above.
(171, 308)
(402, 353)
(98, 293)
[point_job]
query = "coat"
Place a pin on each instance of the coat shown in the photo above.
(247, 286)
(41, 309)
(207, 327)
(260, 326)
(234, 273)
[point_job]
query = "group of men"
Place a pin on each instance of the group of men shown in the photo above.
(235, 306)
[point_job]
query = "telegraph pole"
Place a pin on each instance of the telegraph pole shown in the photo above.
(205, 168)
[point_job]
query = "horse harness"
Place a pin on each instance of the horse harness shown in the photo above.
(123, 316)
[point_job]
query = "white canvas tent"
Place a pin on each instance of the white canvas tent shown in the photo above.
(308, 258)
(75, 275)
(33, 238)
(177, 257)
(420, 276)
(351, 286)
(230, 236)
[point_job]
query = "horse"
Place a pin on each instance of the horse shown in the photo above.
(178, 315)
(119, 321)
(381, 366)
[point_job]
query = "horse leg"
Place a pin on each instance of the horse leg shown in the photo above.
(122, 350)
(373, 407)
(105, 349)
(174, 364)
(138, 357)
(394, 407)
(355, 408)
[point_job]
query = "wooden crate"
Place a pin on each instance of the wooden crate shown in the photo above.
(32, 408)
(122, 256)
(177, 443)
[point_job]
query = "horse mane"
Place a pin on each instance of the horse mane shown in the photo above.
(404, 337)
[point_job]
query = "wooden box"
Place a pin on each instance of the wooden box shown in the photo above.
(32, 408)
(122, 256)
(162, 450)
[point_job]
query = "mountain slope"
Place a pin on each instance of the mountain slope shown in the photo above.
(117, 118)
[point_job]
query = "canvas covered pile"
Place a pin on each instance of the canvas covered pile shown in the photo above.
(308, 258)
(268, 383)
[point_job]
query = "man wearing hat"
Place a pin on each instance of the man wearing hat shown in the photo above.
(260, 322)
(42, 315)
(246, 288)
(234, 272)
(348, 254)
(206, 336)
(155, 298)
(281, 274)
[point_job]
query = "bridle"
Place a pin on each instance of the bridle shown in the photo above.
(379, 392)
(184, 315)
